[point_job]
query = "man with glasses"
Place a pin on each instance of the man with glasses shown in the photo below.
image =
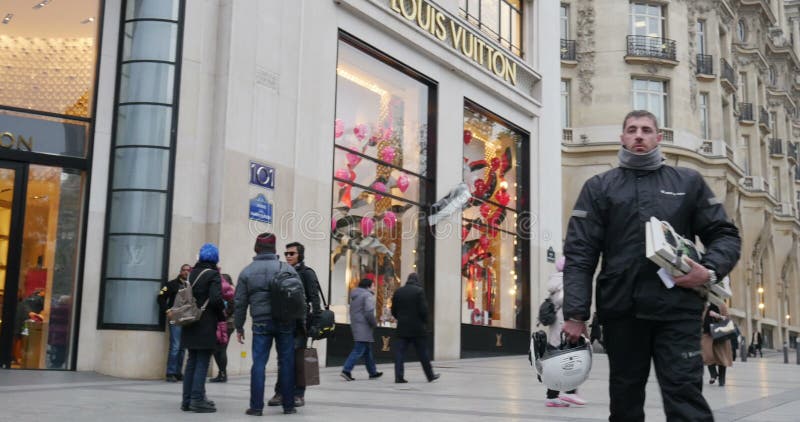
(295, 256)
(166, 297)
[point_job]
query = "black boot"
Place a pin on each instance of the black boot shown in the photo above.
(722, 371)
(221, 377)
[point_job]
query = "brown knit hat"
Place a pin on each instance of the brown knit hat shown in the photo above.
(265, 243)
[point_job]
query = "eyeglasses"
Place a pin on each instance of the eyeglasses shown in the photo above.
(289, 253)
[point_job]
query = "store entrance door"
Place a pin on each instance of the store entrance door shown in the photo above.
(40, 218)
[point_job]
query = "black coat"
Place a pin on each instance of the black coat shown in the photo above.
(203, 333)
(411, 310)
(609, 220)
(166, 296)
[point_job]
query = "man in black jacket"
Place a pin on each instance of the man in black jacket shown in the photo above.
(642, 319)
(295, 256)
(411, 311)
(166, 297)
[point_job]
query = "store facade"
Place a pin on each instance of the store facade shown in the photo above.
(338, 124)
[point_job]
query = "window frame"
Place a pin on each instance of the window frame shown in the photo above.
(486, 28)
(566, 106)
(564, 26)
(703, 107)
(741, 30)
(664, 118)
(648, 19)
(701, 36)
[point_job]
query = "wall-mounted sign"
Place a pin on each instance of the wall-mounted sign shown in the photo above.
(437, 22)
(551, 255)
(262, 175)
(260, 209)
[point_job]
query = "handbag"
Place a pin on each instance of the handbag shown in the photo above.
(306, 367)
(722, 330)
(322, 325)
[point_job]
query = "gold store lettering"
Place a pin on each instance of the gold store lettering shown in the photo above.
(8, 141)
(431, 20)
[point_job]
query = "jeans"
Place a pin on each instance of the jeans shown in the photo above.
(422, 354)
(263, 334)
(194, 379)
(175, 357)
(361, 348)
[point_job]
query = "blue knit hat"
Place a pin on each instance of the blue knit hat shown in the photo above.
(209, 253)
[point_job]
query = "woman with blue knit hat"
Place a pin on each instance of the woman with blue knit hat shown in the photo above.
(200, 338)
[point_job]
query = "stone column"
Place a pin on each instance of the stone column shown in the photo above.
(796, 35)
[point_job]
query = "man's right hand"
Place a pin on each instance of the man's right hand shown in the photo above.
(574, 330)
(240, 337)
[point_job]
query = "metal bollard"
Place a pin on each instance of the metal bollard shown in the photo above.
(785, 353)
(743, 353)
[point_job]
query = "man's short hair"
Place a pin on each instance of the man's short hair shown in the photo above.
(301, 250)
(265, 243)
(637, 114)
(365, 283)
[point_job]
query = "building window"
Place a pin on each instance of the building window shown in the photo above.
(705, 130)
(701, 36)
(741, 30)
(773, 76)
(382, 184)
(743, 154)
(499, 19)
(142, 166)
(647, 20)
(565, 105)
(775, 183)
(742, 88)
(651, 95)
(564, 21)
(493, 263)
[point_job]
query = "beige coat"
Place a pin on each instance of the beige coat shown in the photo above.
(717, 353)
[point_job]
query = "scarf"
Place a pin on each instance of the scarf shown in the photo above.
(648, 161)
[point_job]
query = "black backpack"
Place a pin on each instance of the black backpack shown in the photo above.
(547, 312)
(287, 296)
(324, 324)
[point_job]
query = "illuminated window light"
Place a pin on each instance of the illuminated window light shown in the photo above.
(361, 81)
(788, 316)
(760, 290)
(761, 306)
(640, 24)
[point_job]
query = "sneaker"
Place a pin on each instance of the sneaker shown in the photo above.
(434, 377)
(572, 399)
(276, 400)
(253, 412)
(202, 407)
(400, 381)
(712, 380)
(299, 401)
(376, 375)
(347, 376)
(556, 402)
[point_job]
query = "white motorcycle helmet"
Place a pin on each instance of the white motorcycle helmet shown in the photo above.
(566, 368)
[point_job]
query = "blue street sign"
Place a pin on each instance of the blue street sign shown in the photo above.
(260, 209)
(262, 175)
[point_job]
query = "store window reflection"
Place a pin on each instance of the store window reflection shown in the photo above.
(380, 179)
(494, 282)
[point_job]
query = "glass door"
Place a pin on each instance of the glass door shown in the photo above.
(11, 198)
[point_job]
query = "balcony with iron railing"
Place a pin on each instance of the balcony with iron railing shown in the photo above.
(727, 75)
(705, 66)
(644, 49)
(776, 146)
(667, 135)
(568, 50)
(791, 151)
(746, 113)
(763, 117)
(566, 135)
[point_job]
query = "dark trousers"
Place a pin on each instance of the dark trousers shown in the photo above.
(674, 348)
(194, 377)
(401, 345)
(299, 342)
(221, 356)
(717, 371)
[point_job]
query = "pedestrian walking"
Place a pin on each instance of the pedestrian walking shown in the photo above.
(642, 319)
(757, 344)
(166, 298)
(224, 331)
(200, 337)
(555, 289)
(295, 255)
(362, 323)
(253, 292)
(410, 309)
(717, 354)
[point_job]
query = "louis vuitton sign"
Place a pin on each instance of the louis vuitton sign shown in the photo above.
(468, 43)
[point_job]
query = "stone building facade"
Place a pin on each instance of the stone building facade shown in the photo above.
(723, 76)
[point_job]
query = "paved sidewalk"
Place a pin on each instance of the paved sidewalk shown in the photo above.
(487, 389)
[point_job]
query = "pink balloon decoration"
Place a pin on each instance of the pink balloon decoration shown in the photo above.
(338, 128)
(367, 224)
(387, 133)
(402, 183)
(333, 223)
(360, 131)
(380, 187)
(389, 219)
(352, 159)
(387, 154)
(342, 174)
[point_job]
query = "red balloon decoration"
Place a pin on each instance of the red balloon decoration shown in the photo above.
(485, 209)
(464, 232)
(484, 241)
(480, 188)
(495, 163)
(502, 197)
(467, 137)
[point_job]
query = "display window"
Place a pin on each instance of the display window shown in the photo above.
(380, 173)
(494, 283)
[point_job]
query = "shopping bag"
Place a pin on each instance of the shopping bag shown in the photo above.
(306, 365)
(722, 330)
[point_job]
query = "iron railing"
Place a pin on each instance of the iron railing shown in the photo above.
(655, 47)
(763, 116)
(791, 150)
(568, 49)
(775, 146)
(705, 64)
(727, 72)
(566, 136)
(666, 135)
(745, 112)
